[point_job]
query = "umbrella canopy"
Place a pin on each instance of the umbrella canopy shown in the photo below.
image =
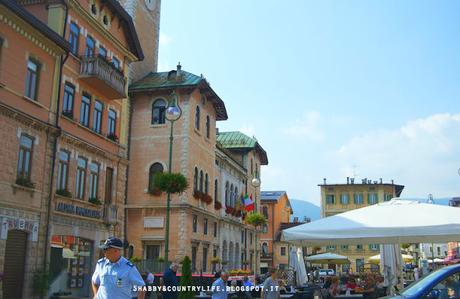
(407, 258)
(436, 261)
(391, 264)
(297, 262)
(327, 258)
(393, 222)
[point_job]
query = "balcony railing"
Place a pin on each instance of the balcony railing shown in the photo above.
(104, 76)
(110, 214)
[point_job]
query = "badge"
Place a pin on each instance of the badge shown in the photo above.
(119, 282)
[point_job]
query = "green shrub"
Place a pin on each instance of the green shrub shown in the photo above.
(25, 182)
(64, 192)
(186, 278)
(95, 201)
(171, 182)
(256, 219)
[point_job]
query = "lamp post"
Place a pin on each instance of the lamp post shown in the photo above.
(255, 183)
(173, 113)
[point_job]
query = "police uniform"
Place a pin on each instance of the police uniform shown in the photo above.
(116, 280)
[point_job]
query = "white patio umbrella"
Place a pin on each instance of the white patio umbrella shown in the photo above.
(327, 258)
(392, 222)
(391, 264)
(297, 263)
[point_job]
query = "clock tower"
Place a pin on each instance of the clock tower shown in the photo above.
(146, 17)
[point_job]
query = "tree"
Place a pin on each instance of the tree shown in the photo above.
(186, 278)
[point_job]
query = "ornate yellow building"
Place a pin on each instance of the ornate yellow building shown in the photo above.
(339, 198)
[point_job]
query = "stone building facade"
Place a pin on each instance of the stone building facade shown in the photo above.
(28, 50)
(275, 206)
(73, 135)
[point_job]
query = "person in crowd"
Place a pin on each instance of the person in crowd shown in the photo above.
(247, 284)
(115, 276)
(328, 282)
(416, 273)
(170, 279)
(270, 289)
(334, 288)
(219, 287)
(149, 280)
(351, 284)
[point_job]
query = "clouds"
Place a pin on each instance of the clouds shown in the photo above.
(423, 155)
(307, 126)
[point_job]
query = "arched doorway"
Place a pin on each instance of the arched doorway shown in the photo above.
(15, 260)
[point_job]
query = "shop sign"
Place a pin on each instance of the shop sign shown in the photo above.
(77, 210)
(153, 222)
(9, 223)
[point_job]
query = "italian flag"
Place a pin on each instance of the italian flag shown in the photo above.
(248, 203)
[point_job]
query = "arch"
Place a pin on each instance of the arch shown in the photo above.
(154, 169)
(195, 179)
(201, 180)
(197, 118)
(227, 193)
(208, 126)
(159, 112)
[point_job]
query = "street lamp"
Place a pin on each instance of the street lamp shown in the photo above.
(173, 113)
(255, 182)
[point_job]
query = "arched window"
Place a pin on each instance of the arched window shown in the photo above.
(265, 212)
(264, 248)
(201, 180)
(208, 126)
(195, 180)
(227, 195)
(236, 194)
(252, 166)
(206, 184)
(232, 200)
(216, 189)
(159, 112)
(197, 118)
(154, 169)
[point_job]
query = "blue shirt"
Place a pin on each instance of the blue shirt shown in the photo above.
(219, 289)
(116, 280)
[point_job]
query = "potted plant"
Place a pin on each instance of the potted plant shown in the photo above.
(207, 199)
(95, 201)
(112, 136)
(186, 279)
(197, 194)
(215, 260)
(68, 114)
(217, 205)
(256, 219)
(25, 182)
(171, 182)
(229, 210)
(64, 192)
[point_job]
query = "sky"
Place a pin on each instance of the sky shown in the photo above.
(330, 89)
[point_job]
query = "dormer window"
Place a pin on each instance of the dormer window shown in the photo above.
(172, 75)
(105, 20)
(94, 9)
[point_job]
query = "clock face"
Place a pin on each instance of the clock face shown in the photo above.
(151, 4)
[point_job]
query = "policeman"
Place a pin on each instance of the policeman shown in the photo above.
(115, 277)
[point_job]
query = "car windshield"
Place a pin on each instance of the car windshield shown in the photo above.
(416, 287)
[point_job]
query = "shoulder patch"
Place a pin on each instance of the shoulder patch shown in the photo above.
(101, 260)
(129, 264)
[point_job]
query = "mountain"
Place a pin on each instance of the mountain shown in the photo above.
(303, 208)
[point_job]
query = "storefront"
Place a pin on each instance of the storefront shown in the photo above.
(71, 265)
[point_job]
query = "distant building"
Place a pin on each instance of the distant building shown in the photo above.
(275, 206)
(339, 198)
(453, 248)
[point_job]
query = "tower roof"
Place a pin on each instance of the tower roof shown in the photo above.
(237, 140)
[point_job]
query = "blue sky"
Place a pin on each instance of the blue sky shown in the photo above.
(331, 88)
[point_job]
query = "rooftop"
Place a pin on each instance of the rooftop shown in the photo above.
(366, 182)
(180, 79)
(271, 195)
(237, 140)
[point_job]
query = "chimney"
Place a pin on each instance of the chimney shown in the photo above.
(324, 181)
(296, 219)
(381, 181)
(348, 180)
(392, 182)
(352, 181)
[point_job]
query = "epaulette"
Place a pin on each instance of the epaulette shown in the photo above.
(101, 260)
(129, 264)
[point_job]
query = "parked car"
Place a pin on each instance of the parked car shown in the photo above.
(441, 284)
(326, 272)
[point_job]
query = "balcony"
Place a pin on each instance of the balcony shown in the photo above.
(103, 76)
(110, 214)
